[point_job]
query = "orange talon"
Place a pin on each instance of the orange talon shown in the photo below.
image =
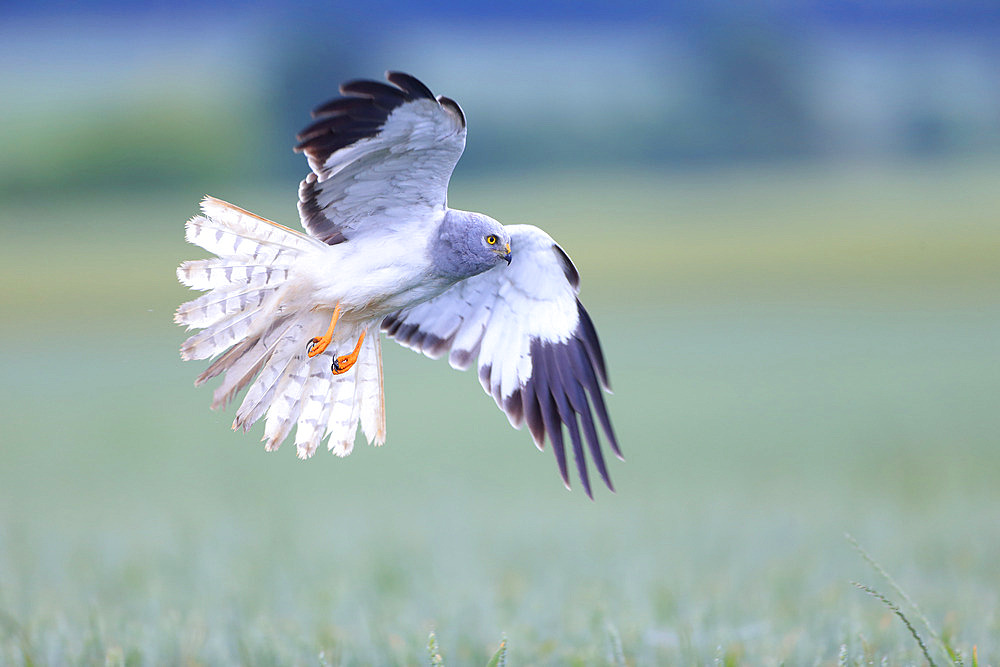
(344, 363)
(318, 345)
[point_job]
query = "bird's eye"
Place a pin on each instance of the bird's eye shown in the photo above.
(492, 240)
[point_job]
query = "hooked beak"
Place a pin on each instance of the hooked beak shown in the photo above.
(507, 256)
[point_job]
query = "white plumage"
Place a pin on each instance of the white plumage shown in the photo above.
(384, 251)
(249, 312)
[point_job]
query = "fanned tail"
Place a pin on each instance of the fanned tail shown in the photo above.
(264, 345)
(293, 389)
(331, 406)
(254, 259)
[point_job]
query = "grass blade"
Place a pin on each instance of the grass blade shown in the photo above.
(952, 655)
(499, 658)
(433, 654)
(896, 610)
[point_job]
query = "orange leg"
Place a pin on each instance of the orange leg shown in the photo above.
(344, 363)
(318, 345)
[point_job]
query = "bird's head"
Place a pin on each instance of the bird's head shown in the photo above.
(470, 243)
(495, 240)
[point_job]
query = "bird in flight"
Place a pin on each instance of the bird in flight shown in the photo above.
(296, 316)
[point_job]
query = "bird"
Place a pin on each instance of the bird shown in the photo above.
(296, 316)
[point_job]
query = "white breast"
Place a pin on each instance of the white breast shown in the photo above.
(369, 276)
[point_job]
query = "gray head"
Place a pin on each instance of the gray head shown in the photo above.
(469, 243)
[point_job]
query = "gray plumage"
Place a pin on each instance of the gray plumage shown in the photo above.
(461, 249)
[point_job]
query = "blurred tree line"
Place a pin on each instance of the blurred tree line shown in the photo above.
(708, 87)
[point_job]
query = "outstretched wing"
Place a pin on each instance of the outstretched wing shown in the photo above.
(380, 152)
(538, 352)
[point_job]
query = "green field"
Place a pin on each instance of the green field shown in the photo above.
(796, 353)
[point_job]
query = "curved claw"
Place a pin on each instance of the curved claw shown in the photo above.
(319, 344)
(346, 362)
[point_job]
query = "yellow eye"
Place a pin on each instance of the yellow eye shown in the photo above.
(492, 240)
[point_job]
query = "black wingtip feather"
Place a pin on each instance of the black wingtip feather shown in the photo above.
(513, 405)
(484, 377)
(588, 334)
(584, 372)
(435, 346)
(533, 416)
(410, 84)
(341, 105)
(360, 114)
(551, 425)
(577, 392)
(461, 359)
(390, 323)
(569, 269)
(312, 215)
(566, 414)
(376, 90)
(451, 104)
(554, 430)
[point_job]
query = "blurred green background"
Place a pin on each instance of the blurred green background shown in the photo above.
(787, 221)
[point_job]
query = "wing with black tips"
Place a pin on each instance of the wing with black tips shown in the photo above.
(537, 349)
(380, 155)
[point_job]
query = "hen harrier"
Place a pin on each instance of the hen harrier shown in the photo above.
(298, 315)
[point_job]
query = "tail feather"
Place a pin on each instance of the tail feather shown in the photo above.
(294, 390)
(242, 363)
(260, 344)
(225, 363)
(370, 393)
(253, 263)
(217, 272)
(235, 381)
(342, 423)
(315, 410)
(220, 337)
(289, 353)
(231, 232)
(218, 305)
(286, 406)
(322, 405)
